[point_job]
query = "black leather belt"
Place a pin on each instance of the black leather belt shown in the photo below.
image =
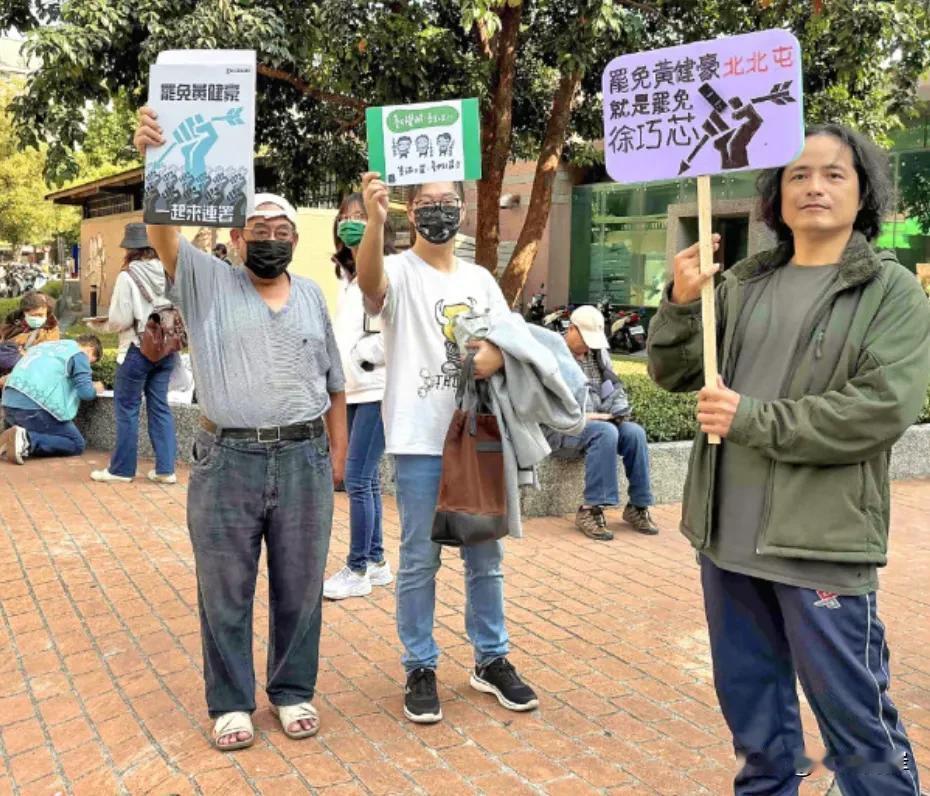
(298, 431)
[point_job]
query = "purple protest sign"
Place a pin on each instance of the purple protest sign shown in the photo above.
(713, 106)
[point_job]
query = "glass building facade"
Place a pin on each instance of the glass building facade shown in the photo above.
(620, 232)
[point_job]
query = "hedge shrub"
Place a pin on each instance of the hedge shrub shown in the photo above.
(52, 289)
(105, 369)
(7, 305)
(670, 416)
(924, 416)
(107, 339)
(665, 416)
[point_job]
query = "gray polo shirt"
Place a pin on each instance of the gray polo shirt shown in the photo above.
(255, 368)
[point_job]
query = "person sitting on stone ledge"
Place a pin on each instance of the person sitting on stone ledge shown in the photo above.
(31, 323)
(42, 396)
(608, 433)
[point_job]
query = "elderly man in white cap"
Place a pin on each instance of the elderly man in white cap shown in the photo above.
(270, 385)
(608, 433)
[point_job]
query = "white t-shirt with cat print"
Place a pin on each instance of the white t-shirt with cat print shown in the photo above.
(423, 363)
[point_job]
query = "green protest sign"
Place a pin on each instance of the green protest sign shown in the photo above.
(425, 142)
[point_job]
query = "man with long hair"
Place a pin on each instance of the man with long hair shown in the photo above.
(824, 362)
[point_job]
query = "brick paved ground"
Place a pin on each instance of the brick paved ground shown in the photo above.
(100, 689)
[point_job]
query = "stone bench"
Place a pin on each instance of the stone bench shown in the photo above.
(562, 479)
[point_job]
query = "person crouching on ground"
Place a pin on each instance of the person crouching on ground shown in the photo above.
(42, 396)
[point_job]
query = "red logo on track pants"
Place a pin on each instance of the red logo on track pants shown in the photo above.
(828, 599)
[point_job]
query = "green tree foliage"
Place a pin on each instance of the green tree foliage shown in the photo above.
(325, 61)
(915, 195)
(25, 217)
(914, 171)
(107, 146)
(862, 59)
(322, 63)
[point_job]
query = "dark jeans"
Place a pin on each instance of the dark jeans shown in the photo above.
(241, 492)
(763, 635)
(138, 375)
(47, 436)
(363, 484)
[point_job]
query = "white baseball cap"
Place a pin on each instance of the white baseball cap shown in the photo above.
(287, 209)
(590, 323)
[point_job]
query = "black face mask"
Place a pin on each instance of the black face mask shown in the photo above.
(268, 259)
(437, 225)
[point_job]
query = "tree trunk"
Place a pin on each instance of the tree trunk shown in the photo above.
(541, 197)
(496, 134)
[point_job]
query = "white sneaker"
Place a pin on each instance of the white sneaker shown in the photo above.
(346, 583)
(162, 479)
(106, 477)
(14, 444)
(380, 574)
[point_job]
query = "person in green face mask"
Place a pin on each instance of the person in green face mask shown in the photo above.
(362, 352)
(32, 318)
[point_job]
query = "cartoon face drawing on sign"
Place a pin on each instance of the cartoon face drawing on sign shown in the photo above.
(444, 142)
(424, 148)
(402, 146)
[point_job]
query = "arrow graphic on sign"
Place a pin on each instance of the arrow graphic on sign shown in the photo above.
(233, 117)
(780, 94)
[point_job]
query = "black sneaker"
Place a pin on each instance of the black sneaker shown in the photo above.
(500, 678)
(421, 701)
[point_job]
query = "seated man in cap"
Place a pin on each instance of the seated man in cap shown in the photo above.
(609, 433)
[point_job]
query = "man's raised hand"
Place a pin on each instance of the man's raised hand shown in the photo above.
(687, 277)
(148, 132)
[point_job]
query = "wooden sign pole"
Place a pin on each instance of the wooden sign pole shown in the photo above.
(708, 308)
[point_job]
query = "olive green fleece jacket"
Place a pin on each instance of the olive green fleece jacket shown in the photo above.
(858, 379)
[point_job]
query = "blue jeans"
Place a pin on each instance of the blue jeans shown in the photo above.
(417, 493)
(137, 375)
(764, 635)
(47, 436)
(600, 443)
(363, 484)
(239, 493)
